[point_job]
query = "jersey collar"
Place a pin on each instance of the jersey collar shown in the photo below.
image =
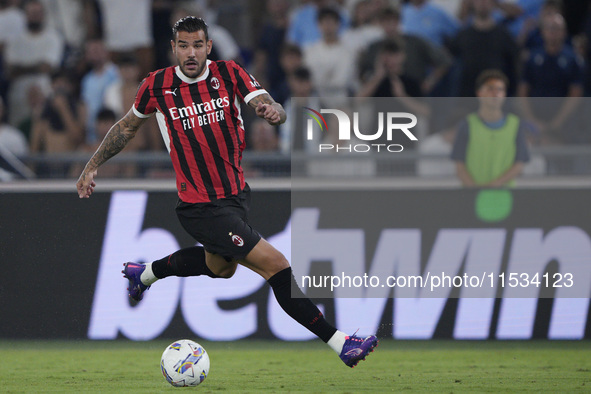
(186, 79)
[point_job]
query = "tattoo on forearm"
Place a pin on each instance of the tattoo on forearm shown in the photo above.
(116, 139)
(265, 98)
(262, 99)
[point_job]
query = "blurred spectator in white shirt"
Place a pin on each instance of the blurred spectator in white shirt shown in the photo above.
(127, 27)
(75, 20)
(31, 57)
(120, 96)
(12, 21)
(12, 24)
(331, 61)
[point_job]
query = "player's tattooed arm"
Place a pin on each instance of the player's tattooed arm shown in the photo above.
(116, 139)
(266, 108)
(118, 136)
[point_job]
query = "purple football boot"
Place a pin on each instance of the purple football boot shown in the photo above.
(133, 272)
(356, 349)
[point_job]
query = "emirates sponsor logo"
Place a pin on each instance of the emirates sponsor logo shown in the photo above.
(201, 114)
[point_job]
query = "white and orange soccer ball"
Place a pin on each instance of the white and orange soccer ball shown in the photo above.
(184, 363)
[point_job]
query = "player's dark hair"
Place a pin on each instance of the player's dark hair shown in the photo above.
(489, 74)
(190, 24)
(328, 12)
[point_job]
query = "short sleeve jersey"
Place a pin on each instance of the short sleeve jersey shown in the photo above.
(201, 124)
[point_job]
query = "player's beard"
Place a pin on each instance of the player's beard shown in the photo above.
(193, 74)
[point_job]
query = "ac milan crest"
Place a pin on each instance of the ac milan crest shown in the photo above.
(237, 239)
(215, 83)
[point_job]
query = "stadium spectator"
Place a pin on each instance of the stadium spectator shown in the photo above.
(94, 84)
(13, 21)
(12, 24)
(331, 60)
(263, 139)
(127, 27)
(421, 18)
(530, 36)
(453, 8)
(490, 147)
(467, 13)
(290, 59)
(263, 136)
(75, 21)
(365, 29)
(161, 26)
(60, 126)
(424, 62)
(105, 119)
(389, 79)
(552, 71)
(120, 95)
(11, 138)
(302, 95)
(267, 65)
(484, 45)
(303, 27)
(31, 57)
(36, 99)
(518, 14)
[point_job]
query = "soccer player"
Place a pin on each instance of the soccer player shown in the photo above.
(197, 108)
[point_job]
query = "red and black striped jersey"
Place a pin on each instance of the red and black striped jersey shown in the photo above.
(200, 121)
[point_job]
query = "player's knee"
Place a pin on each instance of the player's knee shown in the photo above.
(226, 272)
(276, 263)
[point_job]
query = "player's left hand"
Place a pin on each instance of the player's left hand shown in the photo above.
(269, 112)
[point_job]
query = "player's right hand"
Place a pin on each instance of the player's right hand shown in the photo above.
(86, 184)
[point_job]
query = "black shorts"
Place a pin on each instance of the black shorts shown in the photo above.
(221, 226)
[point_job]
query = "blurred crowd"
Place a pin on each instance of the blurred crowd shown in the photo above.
(70, 68)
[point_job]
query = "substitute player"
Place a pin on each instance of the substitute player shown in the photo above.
(198, 110)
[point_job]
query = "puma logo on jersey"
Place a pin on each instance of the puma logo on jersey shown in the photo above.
(173, 92)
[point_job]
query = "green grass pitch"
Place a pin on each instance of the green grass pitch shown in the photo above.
(272, 366)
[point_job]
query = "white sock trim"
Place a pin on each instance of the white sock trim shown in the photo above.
(148, 276)
(337, 341)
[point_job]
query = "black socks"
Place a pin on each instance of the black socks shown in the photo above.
(301, 309)
(184, 262)
(191, 262)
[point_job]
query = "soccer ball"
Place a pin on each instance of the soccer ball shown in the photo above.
(184, 363)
